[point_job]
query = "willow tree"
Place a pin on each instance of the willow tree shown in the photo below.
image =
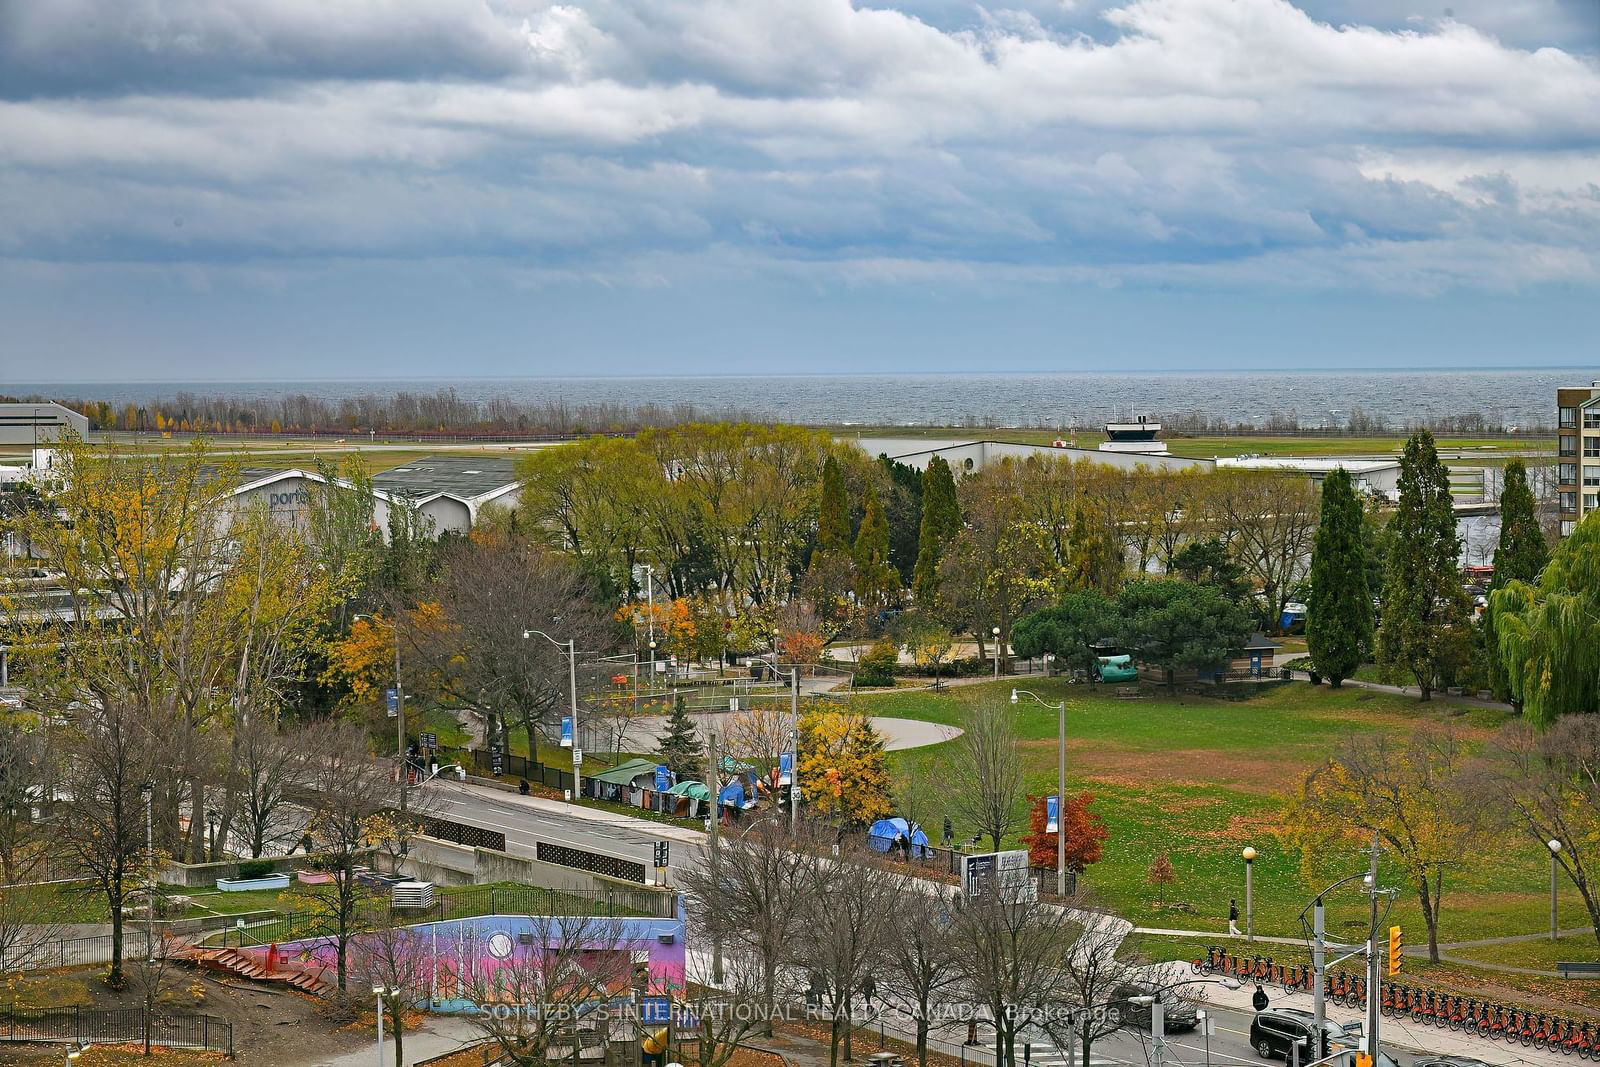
(1548, 634)
(1339, 619)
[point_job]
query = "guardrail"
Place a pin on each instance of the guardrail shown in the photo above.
(116, 1026)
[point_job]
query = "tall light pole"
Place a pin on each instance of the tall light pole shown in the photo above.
(996, 633)
(148, 790)
(378, 991)
(650, 597)
(572, 684)
(1249, 855)
(1061, 784)
(794, 733)
(1555, 851)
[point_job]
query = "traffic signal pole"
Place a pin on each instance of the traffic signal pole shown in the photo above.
(1374, 959)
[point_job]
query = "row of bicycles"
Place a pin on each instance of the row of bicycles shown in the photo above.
(1481, 1018)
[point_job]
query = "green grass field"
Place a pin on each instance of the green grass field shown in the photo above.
(1201, 778)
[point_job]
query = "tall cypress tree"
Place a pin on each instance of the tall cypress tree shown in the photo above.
(941, 521)
(1519, 557)
(833, 518)
(1339, 614)
(876, 580)
(1424, 632)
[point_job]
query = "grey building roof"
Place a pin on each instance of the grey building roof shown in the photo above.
(466, 477)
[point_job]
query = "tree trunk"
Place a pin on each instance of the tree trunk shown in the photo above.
(1430, 916)
(397, 1025)
(849, 1025)
(922, 1033)
(114, 975)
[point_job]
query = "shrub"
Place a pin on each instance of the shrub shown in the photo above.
(255, 869)
(878, 665)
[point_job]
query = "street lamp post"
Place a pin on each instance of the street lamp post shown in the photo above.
(996, 633)
(1555, 851)
(1061, 784)
(1249, 855)
(378, 991)
(148, 789)
(212, 818)
(572, 685)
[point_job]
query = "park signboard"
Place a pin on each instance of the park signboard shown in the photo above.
(998, 874)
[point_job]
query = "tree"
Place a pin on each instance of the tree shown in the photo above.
(941, 519)
(930, 646)
(903, 505)
(1545, 786)
(1084, 830)
(1424, 629)
(562, 964)
(1161, 875)
(1173, 624)
(271, 766)
(843, 770)
(680, 746)
(877, 583)
(1069, 631)
(877, 665)
(986, 776)
(1269, 520)
(150, 975)
(833, 513)
(1209, 562)
(922, 962)
(847, 934)
(1408, 791)
(1549, 633)
(348, 795)
(1520, 556)
(1339, 614)
(392, 957)
(1096, 968)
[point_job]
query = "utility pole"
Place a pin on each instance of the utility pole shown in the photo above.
(400, 723)
(577, 738)
(1374, 969)
(794, 732)
(716, 852)
(1319, 929)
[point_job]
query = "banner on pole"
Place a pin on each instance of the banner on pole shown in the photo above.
(663, 778)
(392, 697)
(785, 768)
(1052, 814)
(566, 731)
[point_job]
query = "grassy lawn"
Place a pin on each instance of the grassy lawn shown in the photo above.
(1201, 778)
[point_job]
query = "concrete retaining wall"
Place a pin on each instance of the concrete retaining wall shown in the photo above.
(447, 863)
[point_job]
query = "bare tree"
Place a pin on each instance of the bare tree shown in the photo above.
(1012, 953)
(150, 977)
(395, 959)
(270, 764)
(758, 735)
(922, 961)
(847, 931)
(1095, 969)
(1546, 786)
(493, 590)
(534, 991)
(754, 892)
(1268, 521)
(728, 1011)
(986, 777)
(349, 795)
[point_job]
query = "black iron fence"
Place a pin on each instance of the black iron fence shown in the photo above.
(593, 862)
(937, 862)
(494, 764)
(115, 1026)
(462, 834)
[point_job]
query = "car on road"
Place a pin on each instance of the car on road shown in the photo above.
(1176, 1013)
(1276, 1033)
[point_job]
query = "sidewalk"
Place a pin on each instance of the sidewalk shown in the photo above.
(437, 1035)
(550, 806)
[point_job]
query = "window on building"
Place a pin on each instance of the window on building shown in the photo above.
(1569, 416)
(1567, 526)
(1591, 418)
(1568, 501)
(1591, 501)
(1591, 447)
(1591, 474)
(1566, 473)
(1568, 446)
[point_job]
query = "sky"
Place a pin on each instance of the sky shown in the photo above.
(255, 189)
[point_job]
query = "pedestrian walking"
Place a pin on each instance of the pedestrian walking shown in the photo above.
(1233, 918)
(1258, 999)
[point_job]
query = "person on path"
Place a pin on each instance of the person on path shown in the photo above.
(1233, 918)
(1258, 999)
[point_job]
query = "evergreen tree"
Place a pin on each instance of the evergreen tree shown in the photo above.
(1519, 557)
(680, 745)
(941, 521)
(1339, 615)
(876, 581)
(1424, 632)
(833, 520)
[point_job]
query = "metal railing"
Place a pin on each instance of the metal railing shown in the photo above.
(115, 1026)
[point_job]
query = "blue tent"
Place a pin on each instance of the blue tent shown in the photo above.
(881, 836)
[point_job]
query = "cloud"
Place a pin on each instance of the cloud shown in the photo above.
(1162, 142)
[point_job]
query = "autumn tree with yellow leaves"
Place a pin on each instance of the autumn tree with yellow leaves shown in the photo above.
(844, 773)
(1406, 790)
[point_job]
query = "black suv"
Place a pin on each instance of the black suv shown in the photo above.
(1275, 1031)
(1176, 1013)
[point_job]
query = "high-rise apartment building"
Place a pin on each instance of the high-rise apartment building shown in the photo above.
(1577, 454)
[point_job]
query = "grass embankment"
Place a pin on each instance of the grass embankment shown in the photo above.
(1201, 778)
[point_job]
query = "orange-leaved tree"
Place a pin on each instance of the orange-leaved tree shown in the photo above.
(1085, 833)
(843, 770)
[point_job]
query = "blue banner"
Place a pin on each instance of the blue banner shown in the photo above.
(655, 1010)
(566, 731)
(785, 768)
(663, 778)
(1052, 814)
(393, 698)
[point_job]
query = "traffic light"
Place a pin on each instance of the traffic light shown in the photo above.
(1395, 961)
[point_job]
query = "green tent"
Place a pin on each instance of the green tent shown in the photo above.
(625, 773)
(692, 790)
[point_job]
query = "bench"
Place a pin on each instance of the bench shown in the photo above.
(1578, 970)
